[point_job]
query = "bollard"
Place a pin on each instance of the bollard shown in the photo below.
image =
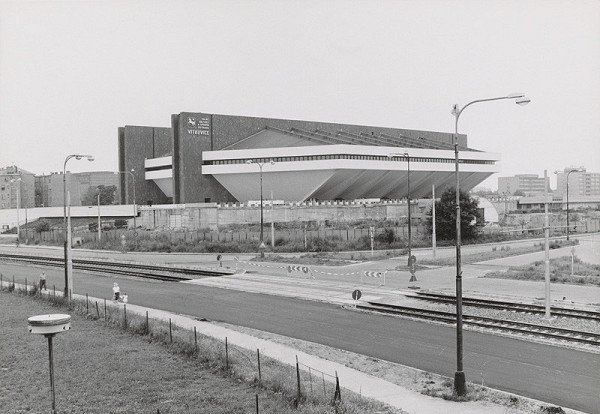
(87, 304)
(97, 310)
(256, 403)
(125, 315)
(26, 290)
(170, 331)
(54, 288)
(147, 324)
(104, 309)
(324, 389)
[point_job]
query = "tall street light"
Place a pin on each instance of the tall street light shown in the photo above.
(405, 155)
(569, 172)
(134, 203)
(14, 180)
(68, 261)
(459, 376)
(260, 166)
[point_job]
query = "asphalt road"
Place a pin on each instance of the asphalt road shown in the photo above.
(556, 375)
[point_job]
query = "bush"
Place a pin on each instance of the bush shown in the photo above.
(41, 225)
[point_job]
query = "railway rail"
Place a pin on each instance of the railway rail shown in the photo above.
(511, 306)
(496, 325)
(173, 274)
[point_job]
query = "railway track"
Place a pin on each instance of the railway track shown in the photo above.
(165, 273)
(511, 306)
(495, 325)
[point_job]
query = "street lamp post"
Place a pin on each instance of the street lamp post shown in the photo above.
(568, 173)
(405, 155)
(260, 166)
(459, 376)
(68, 261)
(14, 180)
(134, 203)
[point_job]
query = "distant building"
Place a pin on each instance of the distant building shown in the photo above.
(528, 184)
(49, 189)
(581, 182)
(16, 184)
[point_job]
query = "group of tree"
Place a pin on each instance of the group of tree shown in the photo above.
(471, 219)
(107, 195)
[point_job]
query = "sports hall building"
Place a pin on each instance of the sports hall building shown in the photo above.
(208, 158)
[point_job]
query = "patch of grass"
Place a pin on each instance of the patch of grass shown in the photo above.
(115, 366)
(560, 272)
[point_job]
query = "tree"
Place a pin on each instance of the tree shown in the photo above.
(471, 219)
(107, 195)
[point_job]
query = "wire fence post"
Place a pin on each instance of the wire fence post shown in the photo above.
(54, 287)
(97, 310)
(258, 358)
(324, 389)
(125, 315)
(26, 287)
(226, 355)
(256, 403)
(195, 340)
(87, 305)
(298, 376)
(337, 397)
(147, 324)
(104, 309)
(170, 331)
(310, 379)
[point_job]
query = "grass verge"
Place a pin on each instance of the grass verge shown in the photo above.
(125, 366)
(560, 272)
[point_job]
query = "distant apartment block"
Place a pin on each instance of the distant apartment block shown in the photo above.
(16, 184)
(581, 182)
(49, 189)
(529, 184)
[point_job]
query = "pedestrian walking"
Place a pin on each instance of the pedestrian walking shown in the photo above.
(116, 292)
(42, 281)
(125, 298)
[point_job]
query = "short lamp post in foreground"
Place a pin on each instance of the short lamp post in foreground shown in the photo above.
(459, 377)
(50, 325)
(262, 246)
(68, 261)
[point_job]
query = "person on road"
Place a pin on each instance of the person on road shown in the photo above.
(116, 292)
(42, 281)
(125, 299)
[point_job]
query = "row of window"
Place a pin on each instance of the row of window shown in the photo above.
(346, 157)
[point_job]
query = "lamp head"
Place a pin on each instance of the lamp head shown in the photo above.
(272, 162)
(522, 101)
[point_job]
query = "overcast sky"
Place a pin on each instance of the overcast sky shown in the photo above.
(72, 72)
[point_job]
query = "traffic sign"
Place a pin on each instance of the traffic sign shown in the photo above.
(356, 294)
